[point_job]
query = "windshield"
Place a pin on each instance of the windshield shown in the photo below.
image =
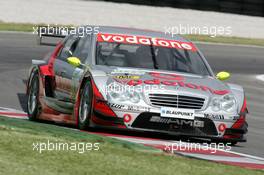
(150, 57)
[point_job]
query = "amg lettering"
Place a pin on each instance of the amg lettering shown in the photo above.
(157, 119)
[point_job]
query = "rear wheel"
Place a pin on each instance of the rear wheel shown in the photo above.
(33, 95)
(85, 106)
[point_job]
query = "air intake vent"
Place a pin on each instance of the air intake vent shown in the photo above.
(176, 101)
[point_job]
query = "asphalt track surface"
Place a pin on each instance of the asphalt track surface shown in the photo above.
(17, 51)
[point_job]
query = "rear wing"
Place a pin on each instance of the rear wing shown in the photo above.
(50, 36)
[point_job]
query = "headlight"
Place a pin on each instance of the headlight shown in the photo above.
(226, 103)
(121, 94)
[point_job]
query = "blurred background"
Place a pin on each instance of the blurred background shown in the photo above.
(245, 7)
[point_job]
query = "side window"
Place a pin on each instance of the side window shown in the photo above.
(69, 47)
(82, 49)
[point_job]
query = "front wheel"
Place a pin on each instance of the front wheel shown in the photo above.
(85, 106)
(33, 95)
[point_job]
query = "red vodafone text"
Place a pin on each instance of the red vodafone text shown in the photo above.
(133, 39)
(174, 80)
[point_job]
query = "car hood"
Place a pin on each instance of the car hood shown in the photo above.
(164, 81)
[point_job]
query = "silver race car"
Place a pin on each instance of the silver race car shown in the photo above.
(135, 80)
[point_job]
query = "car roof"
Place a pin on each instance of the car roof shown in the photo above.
(139, 32)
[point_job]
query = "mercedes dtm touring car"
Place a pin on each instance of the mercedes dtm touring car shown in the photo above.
(136, 80)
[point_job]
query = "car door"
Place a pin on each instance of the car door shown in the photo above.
(82, 52)
(64, 71)
(67, 77)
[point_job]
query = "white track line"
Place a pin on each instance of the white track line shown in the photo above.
(260, 77)
(223, 158)
(154, 142)
(246, 155)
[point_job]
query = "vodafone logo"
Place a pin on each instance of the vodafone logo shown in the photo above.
(167, 76)
(132, 39)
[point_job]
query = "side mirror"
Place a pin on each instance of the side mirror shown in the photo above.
(66, 52)
(223, 76)
(74, 61)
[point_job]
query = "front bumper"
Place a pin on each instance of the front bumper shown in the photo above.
(199, 128)
(177, 126)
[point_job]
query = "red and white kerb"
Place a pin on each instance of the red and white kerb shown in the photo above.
(133, 39)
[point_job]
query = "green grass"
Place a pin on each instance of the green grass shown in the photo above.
(21, 27)
(27, 27)
(114, 157)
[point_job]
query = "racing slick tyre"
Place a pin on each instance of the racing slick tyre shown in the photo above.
(33, 105)
(85, 106)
